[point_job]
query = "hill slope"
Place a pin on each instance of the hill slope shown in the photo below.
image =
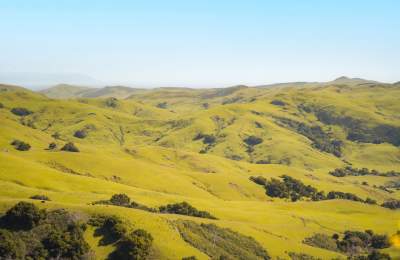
(201, 146)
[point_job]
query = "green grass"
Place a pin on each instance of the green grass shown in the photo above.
(149, 154)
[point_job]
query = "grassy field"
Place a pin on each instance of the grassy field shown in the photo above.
(146, 147)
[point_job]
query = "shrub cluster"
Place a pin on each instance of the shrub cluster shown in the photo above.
(70, 147)
(20, 111)
(185, 208)
(350, 171)
(352, 243)
(295, 190)
(123, 200)
(220, 243)
(40, 197)
(133, 245)
(321, 140)
(20, 145)
(391, 204)
(30, 233)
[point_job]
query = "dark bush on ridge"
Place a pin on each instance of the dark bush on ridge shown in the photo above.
(350, 171)
(80, 134)
(135, 245)
(23, 215)
(185, 208)
(120, 200)
(20, 111)
(40, 197)
(70, 147)
(189, 258)
(277, 102)
(391, 204)
(36, 234)
(295, 190)
(20, 145)
(353, 242)
(253, 140)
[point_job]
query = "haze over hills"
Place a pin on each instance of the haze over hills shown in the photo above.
(61, 91)
(205, 147)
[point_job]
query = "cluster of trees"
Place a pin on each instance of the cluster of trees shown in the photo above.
(321, 140)
(360, 131)
(296, 189)
(123, 200)
(350, 171)
(21, 111)
(207, 139)
(253, 140)
(220, 243)
(353, 243)
(391, 204)
(21, 145)
(40, 197)
(185, 208)
(28, 232)
(129, 245)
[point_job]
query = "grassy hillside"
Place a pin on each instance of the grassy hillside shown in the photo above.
(171, 145)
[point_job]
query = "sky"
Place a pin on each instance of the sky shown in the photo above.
(203, 43)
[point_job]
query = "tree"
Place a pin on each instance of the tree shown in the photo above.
(23, 215)
(70, 147)
(20, 145)
(52, 146)
(120, 199)
(253, 140)
(135, 245)
(20, 111)
(40, 197)
(80, 134)
(11, 247)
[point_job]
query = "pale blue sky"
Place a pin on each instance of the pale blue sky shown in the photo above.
(202, 43)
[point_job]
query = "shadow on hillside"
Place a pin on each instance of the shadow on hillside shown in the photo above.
(107, 238)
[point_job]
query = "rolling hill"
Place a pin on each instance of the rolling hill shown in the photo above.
(202, 146)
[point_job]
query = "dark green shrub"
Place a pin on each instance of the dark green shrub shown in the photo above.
(215, 241)
(278, 102)
(321, 241)
(162, 105)
(1, 105)
(80, 134)
(20, 145)
(189, 258)
(135, 245)
(11, 247)
(23, 215)
(40, 197)
(52, 146)
(253, 140)
(20, 111)
(185, 208)
(370, 201)
(70, 147)
(111, 102)
(209, 139)
(391, 204)
(70, 244)
(120, 200)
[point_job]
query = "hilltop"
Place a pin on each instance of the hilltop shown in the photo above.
(206, 147)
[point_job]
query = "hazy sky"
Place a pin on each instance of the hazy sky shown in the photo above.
(202, 43)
